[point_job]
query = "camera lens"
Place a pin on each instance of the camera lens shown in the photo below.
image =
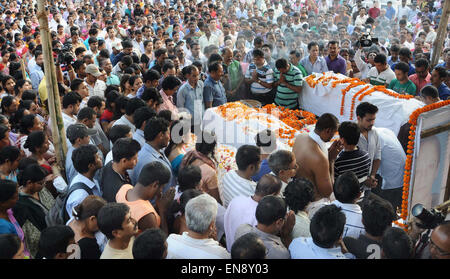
(417, 210)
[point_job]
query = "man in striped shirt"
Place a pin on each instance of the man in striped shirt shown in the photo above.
(289, 82)
(351, 158)
(239, 182)
(259, 76)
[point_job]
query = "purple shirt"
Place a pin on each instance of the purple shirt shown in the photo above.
(337, 65)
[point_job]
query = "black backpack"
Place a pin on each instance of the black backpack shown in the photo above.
(57, 215)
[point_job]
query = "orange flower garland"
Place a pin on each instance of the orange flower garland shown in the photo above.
(352, 108)
(409, 157)
(344, 91)
(238, 111)
(345, 80)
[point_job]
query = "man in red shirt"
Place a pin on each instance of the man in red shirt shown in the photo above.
(422, 75)
(374, 12)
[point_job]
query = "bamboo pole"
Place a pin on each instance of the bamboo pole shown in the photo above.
(54, 104)
(441, 34)
(22, 65)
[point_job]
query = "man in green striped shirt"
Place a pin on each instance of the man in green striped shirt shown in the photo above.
(289, 82)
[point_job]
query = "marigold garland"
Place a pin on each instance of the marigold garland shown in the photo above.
(409, 157)
(352, 107)
(239, 111)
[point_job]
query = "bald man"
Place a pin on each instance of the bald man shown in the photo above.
(316, 162)
(440, 241)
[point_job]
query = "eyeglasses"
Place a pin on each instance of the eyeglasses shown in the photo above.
(441, 252)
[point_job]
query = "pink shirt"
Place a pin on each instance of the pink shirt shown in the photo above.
(419, 83)
(168, 104)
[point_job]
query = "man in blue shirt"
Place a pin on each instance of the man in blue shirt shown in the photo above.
(390, 11)
(190, 95)
(213, 92)
(438, 77)
(405, 55)
(157, 137)
(86, 162)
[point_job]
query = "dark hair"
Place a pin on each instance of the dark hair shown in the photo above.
(32, 172)
(170, 82)
(141, 115)
(133, 104)
(248, 247)
(422, 62)
(430, 91)
(402, 66)
(151, 75)
(204, 144)
(150, 244)
(86, 113)
(125, 148)
(165, 114)
(10, 153)
(71, 98)
(3, 130)
(95, 102)
(396, 244)
(160, 52)
(377, 215)
(10, 244)
(441, 71)
(258, 53)
(270, 209)
(298, 194)
(29, 95)
(83, 156)
(380, 58)
(312, 44)
(327, 226)
(7, 189)
(189, 177)
(75, 84)
(404, 51)
(346, 187)
(35, 139)
(111, 98)
(154, 172)
(247, 155)
(167, 66)
(90, 206)
(7, 101)
(281, 63)
(365, 108)
(155, 126)
(214, 67)
(327, 121)
(350, 132)
(151, 94)
(54, 240)
(268, 184)
(110, 218)
(179, 206)
(117, 132)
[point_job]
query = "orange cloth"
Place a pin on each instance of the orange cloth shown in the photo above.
(139, 208)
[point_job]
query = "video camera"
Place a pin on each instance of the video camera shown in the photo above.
(430, 219)
(65, 55)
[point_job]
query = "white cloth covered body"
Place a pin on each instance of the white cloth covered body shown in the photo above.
(392, 112)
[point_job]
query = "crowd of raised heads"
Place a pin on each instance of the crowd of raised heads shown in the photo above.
(135, 185)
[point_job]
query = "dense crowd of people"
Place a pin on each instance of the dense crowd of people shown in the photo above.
(131, 73)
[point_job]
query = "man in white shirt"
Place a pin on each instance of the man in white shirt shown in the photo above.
(403, 10)
(274, 226)
(369, 140)
(427, 28)
(127, 119)
(70, 106)
(239, 182)
(96, 86)
(392, 167)
(327, 227)
(347, 191)
(241, 209)
(381, 73)
(112, 39)
(208, 39)
(197, 242)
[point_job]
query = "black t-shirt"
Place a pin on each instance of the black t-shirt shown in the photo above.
(111, 182)
(363, 247)
(89, 248)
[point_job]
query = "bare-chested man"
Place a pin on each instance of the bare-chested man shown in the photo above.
(315, 161)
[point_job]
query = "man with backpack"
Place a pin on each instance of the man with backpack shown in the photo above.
(86, 162)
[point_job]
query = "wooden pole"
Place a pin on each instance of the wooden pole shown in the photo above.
(441, 34)
(22, 65)
(54, 104)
